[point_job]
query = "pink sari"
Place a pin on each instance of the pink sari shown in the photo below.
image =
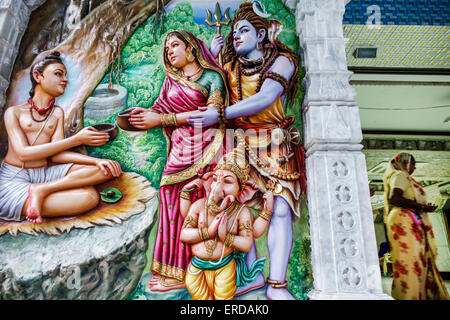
(190, 150)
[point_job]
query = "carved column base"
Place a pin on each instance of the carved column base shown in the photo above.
(344, 252)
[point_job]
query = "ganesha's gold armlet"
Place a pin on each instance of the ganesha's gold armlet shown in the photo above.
(246, 226)
(190, 221)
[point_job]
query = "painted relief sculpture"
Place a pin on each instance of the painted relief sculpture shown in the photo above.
(193, 81)
(39, 176)
(221, 229)
(211, 207)
(410, 234)
(262, 73)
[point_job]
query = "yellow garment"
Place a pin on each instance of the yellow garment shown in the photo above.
(413, 248)
(217, 284)
(269, 117)
(260, 141)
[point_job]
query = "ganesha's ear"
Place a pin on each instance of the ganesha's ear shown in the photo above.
(247, 193)
(207, 179)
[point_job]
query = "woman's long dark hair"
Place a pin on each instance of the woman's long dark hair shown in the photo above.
(39, 66)
(245, 12)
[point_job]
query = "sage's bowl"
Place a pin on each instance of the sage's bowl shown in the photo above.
(109, 128)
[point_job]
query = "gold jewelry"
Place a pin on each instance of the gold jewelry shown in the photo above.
(189, 56)
(169, 120)
(174, 119)
(236, 162)
(214, 210)
(164, 120)
(190, 221)
(195, 76)
(246, 226)
(229, 240)
(265, 214)
(242, 174)
(185, 195)
(203, 232)
(210, 246)
(259, 46)
(277, 284)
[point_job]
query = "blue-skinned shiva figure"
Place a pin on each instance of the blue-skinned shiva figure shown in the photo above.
(262, 74)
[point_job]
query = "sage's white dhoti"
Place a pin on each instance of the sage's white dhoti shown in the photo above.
(14, 184)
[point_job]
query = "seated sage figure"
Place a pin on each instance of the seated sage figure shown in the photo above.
(220, 229)
(40, 177)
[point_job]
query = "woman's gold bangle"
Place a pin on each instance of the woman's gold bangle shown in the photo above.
(174, 119)
(169, 120)
(164, 120)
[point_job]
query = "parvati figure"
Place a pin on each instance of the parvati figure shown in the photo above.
(193, 81)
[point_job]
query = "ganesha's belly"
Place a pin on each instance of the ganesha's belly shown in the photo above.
(200, 250)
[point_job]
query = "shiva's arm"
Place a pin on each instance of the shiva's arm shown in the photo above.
(270, 91)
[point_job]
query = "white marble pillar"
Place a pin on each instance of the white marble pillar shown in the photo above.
(344, 252)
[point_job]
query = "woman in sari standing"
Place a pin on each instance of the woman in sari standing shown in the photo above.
(413, 247)
(194, 80)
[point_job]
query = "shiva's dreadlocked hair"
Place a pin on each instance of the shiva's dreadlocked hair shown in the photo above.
(245, 12)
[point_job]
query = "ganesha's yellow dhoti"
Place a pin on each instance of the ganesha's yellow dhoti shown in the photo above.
(214, 284)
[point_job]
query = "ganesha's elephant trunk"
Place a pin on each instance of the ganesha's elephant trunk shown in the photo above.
(222, 202)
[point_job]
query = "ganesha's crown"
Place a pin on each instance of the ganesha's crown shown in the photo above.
(236, 162)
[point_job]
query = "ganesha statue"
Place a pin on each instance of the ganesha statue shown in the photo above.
(220, 229)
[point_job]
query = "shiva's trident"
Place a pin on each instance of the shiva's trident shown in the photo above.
(218, 23)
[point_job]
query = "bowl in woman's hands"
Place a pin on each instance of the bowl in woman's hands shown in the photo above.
(109, 128)
(123, 121)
